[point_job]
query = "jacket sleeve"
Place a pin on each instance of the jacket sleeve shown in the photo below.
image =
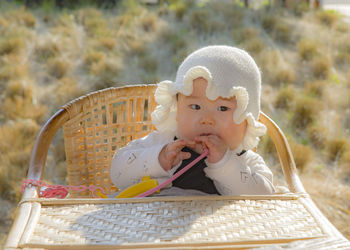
(238, 175)
(137, 159)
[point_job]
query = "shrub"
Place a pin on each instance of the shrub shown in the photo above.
(95, 27)
(45, 50)
(305, 111)
(285, 98)
(247, 34)
(255, 45)
(336, 147)
(315, 89)
(342, 57)
(318, 136)
(149, 23)
(22, 17)
(18, 102)
(179, 8)
(327, 17)
(92, 57)
(321, 67)
(106, 43)
(282, 32)
(307, 49)
(300, 8)
(200, 20)
(302, 155)
(18, 88)
(13, 71)
(57, 67)
(229, 12)
(106, 71)
(66, 90)
(16, 142)
(267, 147)
(269, 22)
(284, 76)
(345, 162)
(137, 47)
(85, 14)
(11, 45)
(6, 190)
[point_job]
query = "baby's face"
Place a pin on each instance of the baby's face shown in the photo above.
(199, 116)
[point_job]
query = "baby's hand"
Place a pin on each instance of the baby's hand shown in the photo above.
(171, 154)
(217, 148)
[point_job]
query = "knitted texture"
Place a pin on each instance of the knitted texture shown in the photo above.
(230, 72)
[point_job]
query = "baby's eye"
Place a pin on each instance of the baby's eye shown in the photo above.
(195, 106)
(223, 108)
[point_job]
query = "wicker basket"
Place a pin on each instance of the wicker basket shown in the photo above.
(95, 126)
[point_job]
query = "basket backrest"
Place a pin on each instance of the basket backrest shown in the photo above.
(97, 124)
(100, 123)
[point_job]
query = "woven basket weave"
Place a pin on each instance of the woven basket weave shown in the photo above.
(95, 126)
(99, 124)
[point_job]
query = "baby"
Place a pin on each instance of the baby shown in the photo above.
(214, 103)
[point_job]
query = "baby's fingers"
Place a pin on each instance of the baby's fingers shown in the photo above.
(177, 145)
(181, 156)
(184, 155)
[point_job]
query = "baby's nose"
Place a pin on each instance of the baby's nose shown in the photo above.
(207, 120)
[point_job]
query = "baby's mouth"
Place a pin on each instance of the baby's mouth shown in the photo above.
(205, 134)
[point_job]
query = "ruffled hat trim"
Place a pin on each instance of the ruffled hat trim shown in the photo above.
(164, 116)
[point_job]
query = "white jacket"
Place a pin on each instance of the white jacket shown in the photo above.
(232, 175)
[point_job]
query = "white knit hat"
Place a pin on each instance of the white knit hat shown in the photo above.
(230, 72)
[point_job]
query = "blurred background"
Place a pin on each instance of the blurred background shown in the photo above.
(52, 51)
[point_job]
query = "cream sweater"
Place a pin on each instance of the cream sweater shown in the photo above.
(232, 175)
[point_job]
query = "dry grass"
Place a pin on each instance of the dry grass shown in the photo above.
(284, 76)
(285, 98)
(67, 89)
(318, 136)
(46, 49)
(19, 102)
(149, 23)
(255, 46)
(179, 8)
(327, 17)
(305, 112)
(315, 89)
(321, 67)
(302, 154)
(11, 46)
(336, 148)
(58, 67)
(15, 163)
(22, 17)
(307, 49)
(343, 55)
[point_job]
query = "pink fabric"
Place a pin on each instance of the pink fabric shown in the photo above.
(57, 191)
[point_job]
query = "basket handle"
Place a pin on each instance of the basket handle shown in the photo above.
(284, 154)
(41, 146)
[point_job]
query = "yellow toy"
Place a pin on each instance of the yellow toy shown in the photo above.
(146, 184)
